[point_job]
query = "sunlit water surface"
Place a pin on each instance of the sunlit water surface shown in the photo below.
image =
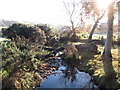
(67, 77)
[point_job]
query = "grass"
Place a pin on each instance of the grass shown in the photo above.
(94, 66)
(115, 55)
(104, 36)
(97, 66)
(98, 61)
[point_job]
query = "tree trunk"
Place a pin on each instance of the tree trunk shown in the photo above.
(119, 17)
(107, 57)
(73, 30)
(93, 29)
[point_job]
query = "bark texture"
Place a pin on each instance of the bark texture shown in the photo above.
(107, 57)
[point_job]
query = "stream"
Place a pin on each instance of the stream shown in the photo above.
(67, 77)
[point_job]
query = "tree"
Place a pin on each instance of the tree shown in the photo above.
(93, 13)
(107, 57)
(119, 16)
(94, 27)
(72, 10)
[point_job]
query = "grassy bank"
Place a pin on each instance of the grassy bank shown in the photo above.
(92, 64)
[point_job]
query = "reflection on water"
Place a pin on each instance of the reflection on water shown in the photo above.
(67, 77)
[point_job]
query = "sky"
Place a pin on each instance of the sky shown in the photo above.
(38, 11)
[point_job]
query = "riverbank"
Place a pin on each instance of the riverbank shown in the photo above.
(25, 79)
(92, 64)
(22, 65)
(37, 68)
(67, 76)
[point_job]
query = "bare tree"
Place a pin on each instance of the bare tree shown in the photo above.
(72, 12)
(94, 27)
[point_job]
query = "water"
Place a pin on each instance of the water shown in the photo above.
(67, 77)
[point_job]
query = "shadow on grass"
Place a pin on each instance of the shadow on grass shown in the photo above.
(82, 65)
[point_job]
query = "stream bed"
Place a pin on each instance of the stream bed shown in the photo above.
(67, 77)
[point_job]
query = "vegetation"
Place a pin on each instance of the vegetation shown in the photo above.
(92, 63)
(14, 67)
(51, 35)
(28, 49)
(34, 34)
(22, 56)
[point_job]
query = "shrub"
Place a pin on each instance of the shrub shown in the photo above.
(17, 62)
(51, 35)
(34, 34)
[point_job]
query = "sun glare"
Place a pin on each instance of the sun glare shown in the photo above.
(103, 4)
